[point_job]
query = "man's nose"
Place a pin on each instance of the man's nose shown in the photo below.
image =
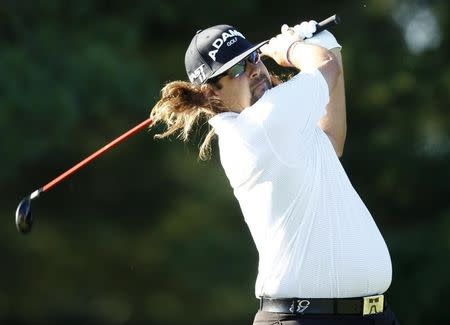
(253, 70)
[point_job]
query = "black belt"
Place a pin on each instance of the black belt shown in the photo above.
(352, 306)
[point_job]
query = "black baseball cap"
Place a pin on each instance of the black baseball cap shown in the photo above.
(214, 50)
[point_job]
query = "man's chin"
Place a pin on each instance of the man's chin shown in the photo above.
(259, 91)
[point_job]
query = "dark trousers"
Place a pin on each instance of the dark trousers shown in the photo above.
(385, 318)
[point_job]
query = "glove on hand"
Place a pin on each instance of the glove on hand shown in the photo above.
(306, 28)
(304, 31)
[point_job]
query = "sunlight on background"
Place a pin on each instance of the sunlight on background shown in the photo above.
(422, 32)
(420, 27)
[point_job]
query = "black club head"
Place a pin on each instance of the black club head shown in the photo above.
(24, 219)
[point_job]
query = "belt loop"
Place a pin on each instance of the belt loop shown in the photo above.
(335, 305)
(260, 303)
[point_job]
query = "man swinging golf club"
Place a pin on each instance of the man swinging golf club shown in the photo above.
(322, 259)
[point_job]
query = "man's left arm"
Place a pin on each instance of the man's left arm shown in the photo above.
(334, 122)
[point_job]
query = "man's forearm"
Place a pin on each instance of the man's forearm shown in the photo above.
(307, 57)
(334, 122)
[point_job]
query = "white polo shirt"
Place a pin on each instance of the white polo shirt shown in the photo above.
(314, 235)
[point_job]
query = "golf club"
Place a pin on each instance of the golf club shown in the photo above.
(327, 23)
(24, 219)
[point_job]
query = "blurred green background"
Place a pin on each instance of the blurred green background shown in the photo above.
(147, 234)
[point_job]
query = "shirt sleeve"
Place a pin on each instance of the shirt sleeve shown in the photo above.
(289, 113)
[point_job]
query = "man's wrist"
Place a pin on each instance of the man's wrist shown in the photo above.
(289, 50)
(307, 57)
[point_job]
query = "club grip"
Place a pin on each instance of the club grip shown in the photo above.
(327, 23)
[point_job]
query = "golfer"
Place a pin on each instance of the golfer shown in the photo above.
(322, 259)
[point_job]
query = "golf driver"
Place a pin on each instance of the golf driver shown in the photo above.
(24, 219)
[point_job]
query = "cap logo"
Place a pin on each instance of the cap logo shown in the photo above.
(198, 73)
(217, 44)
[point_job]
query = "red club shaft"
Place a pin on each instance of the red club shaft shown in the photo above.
(87, 160)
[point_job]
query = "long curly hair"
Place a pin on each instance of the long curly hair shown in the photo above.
(183, 105)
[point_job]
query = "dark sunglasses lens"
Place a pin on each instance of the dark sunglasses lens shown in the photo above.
(239, 68)
(254, 57)
(236, 70)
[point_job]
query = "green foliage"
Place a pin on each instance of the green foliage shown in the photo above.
(147, 234)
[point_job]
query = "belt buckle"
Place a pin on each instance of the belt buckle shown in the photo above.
(373, 305)
(299, 306)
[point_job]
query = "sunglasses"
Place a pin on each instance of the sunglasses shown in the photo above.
(239, 68)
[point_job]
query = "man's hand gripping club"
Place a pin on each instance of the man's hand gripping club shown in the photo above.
(288, 49)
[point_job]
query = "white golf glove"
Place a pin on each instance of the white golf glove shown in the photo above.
(304, 31)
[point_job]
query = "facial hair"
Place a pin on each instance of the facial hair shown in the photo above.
(254, 89)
